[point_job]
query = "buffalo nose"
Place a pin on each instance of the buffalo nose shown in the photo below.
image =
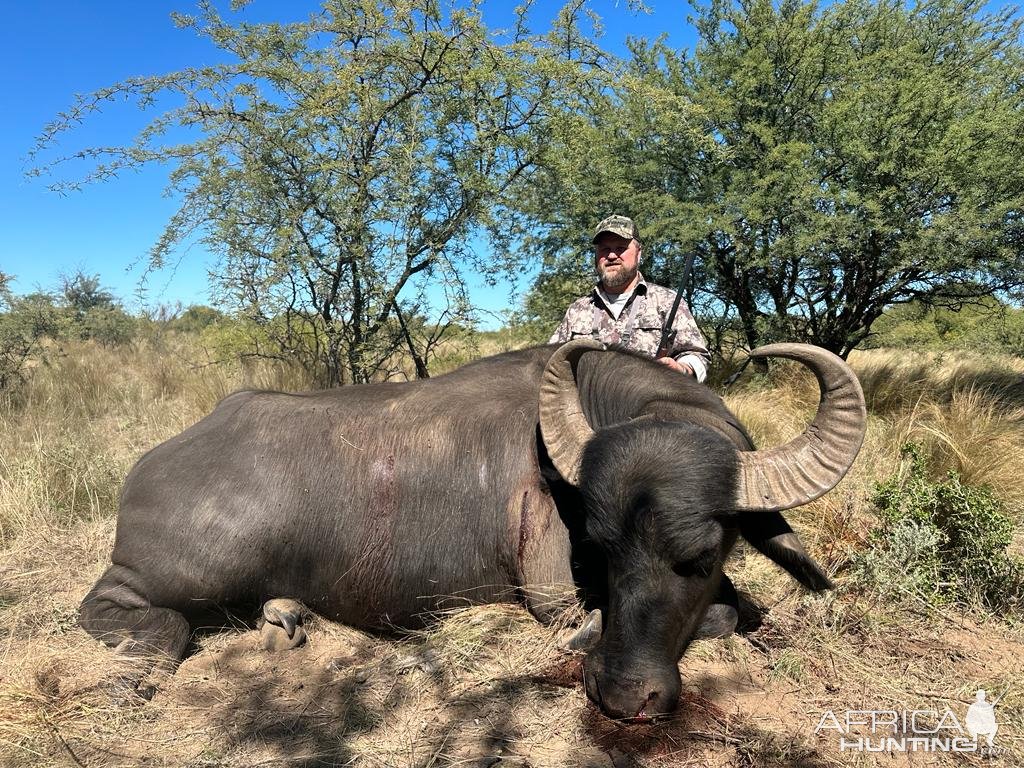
(637, 710)
(623, 694)
(651, 706)
(625, 703)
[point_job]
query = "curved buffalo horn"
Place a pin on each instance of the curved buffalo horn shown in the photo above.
(810, 465)
(563, 425)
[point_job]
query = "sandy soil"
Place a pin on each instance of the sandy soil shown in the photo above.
(485, 686)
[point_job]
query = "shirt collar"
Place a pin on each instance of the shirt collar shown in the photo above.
(639, 289)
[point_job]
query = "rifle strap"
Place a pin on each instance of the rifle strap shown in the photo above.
(599, 316)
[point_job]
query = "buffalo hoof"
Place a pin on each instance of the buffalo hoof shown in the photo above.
(282, 628)
(587, 636)
(139, 674)
(127, 689)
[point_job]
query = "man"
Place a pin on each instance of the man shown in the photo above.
(625, 309)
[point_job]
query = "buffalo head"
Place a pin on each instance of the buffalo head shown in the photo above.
(665, 499)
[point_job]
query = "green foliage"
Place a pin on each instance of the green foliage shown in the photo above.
(109, 326)
(942, 540)
(89, 311)
(195, 319)
(81, 310)
(234, 338)
(83, 293)
(825, 161)
(25, 321)
(343, 164)
(552, 293)
(984, 326)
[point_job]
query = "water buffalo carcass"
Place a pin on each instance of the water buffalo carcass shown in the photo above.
(519, 476)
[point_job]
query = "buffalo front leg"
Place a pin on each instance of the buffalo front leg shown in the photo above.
(118, 612)
(543, 553)
(281, 625)
(722, 615)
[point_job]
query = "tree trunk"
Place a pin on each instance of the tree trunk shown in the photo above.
(420, 363)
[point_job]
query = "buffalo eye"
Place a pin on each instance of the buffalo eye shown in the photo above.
(702, 565)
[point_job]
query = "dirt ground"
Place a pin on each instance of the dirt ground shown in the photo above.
(485, 686)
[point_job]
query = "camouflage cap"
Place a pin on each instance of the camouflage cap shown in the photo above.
(622, 226)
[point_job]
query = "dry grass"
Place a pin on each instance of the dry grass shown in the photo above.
(967, 412)
(484, 686)
(70, 437)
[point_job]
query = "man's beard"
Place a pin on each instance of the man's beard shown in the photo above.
(618, 282)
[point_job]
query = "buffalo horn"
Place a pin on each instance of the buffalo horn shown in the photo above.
(563, 425)
(811, 464)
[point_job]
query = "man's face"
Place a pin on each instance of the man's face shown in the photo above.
(617, 258)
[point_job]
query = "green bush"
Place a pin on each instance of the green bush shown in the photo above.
(195, 319)
(942, 540)
(89, 311)
(985, 326)
(109, 326)
(25, 321)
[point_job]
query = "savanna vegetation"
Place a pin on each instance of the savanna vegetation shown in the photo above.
(847, 174)
(353, 170)
(923, 539)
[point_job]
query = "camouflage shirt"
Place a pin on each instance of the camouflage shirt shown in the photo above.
(638, 326)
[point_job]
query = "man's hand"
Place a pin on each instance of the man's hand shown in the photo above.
(675, 365)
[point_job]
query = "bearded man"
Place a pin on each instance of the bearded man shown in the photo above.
(625, 309)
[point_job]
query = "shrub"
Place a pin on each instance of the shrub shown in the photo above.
(195, 319)
(92, 312)
(109, 326)
(943, 540)
(986, 326)
(25, 321)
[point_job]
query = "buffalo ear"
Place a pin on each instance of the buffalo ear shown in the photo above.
(770, 534)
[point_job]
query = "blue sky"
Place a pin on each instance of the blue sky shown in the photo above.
(51, 51)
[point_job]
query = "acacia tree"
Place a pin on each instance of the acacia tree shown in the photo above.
(616, 153)
(340, 165)
(861, 155)
(869, 160)
(25, 322)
